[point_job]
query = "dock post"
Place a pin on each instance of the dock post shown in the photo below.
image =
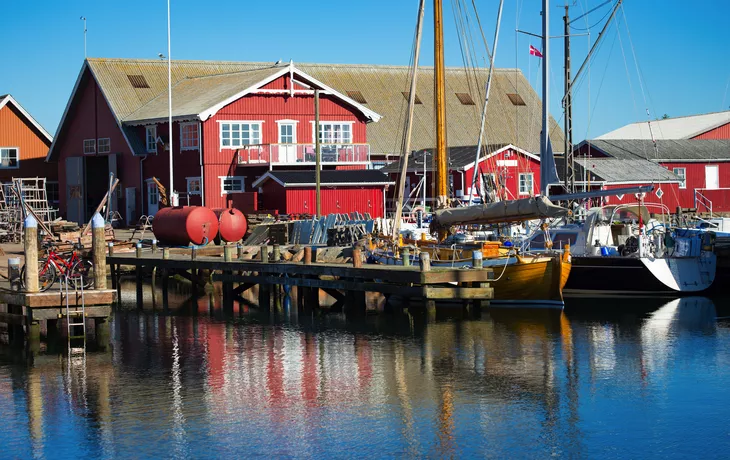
(239, 249)
(154, 246)
(193, 253)
(30, 245)
(138, 250)
(406, 256)
(428, 304)
(425, 262)
(276, 253)
(355, 304)
(477, 259)
(227, 283)
(357, 258)
(227, 253)
(307, 260)
(14, 273)
(138, 273)
(97, 244)
(264, 254)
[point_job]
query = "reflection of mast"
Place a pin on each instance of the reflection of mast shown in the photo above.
(440, 160)
(446, 421)
(402, 390)
(35, 411)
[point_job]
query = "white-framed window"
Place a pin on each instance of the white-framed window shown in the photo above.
(682, 174)
(231, 184)
(235, 134)
(52, 193)
(9, 158)
(151, 138)
(89, 146)
(334, 132)
(525, 183)
(105, 145)
(189, 136)
(194, 185)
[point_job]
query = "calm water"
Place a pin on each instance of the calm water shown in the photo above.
(610, 379)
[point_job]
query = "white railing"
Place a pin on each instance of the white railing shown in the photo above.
(701, 199)
(303, 154)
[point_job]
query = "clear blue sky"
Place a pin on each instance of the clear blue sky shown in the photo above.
(681, 46)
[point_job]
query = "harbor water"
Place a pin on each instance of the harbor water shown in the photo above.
(628, 378)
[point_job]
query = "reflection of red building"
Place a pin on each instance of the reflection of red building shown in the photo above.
(310, 370)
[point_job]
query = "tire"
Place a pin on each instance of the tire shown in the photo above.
(85, 268)
(46, 278)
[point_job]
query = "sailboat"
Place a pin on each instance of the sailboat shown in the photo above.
(535, 279)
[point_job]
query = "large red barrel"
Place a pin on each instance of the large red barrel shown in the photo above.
(232, 224)
(182, 225)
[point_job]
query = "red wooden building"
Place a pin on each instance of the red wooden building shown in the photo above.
(342, 191)
(702, 167)
(23, 147)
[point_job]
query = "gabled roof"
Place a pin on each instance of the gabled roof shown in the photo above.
(330, 178)
(617, 171)
(682, 150)
(8, 99)
(671, 128)
(201, 97)
(460, 158)
(380, 87)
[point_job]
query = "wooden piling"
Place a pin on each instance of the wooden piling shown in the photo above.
(307, 255)
(30, 245)
(425, 262)
(227, 253)
(264, 254)
(97, 244)
(477, 260)
(357, 258)
(193, 253)
(406, 257)
(276, 253)
(138, 250)
(239, 250)
(154, 246)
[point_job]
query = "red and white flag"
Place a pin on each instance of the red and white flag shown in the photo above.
(535, 52)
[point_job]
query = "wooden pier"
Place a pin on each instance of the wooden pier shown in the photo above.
(421, 286)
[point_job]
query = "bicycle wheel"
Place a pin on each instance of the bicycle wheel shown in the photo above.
(47, 275)
(84, 268)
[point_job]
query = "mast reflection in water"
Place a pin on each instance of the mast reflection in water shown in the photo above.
(611, 382)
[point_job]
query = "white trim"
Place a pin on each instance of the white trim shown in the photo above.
(532, 183)
(17, 158)
(684, 177)
(200, 185)
(9, 98)
(242, 146)
(98, 148)
(285, 121)
(333, 122)
(182, 125)
(268, 175)
(497, 152)
(281, 123)
(243, 184)
(84, 150)
(206, 114)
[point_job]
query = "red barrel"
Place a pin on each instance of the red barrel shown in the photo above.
(182, 225)
(232, 224)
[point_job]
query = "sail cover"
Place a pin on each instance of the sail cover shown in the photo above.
(502, 211)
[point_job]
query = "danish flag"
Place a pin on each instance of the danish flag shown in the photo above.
(535, 52)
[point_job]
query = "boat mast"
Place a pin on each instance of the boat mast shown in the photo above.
(568, 152)
(441, 168)
(409, 128)
(544, 134)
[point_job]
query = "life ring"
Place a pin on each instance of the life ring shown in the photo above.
(414, 212)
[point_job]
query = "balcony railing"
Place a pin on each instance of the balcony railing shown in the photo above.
(302, 154)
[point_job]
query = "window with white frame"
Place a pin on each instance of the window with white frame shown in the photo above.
(231, 184)
(682, 174)
(9, 158)
(194, 185)
(52, 193)
(189, 136)
(151, 137)
(89, 146)
(525, 183)
(105, 145)
(334, 132)
(234, 134)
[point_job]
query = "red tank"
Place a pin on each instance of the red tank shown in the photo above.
(182, 225)
(232, 224)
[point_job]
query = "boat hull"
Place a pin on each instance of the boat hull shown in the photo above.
(535, 282)
(640, 276)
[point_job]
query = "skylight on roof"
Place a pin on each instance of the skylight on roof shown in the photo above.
(465, 98)
(406, 94)
(516, 99)
(138, 81)
(356, 96)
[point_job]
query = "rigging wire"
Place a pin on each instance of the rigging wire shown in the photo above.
(597, 22)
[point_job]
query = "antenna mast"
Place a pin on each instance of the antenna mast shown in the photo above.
(83, 18)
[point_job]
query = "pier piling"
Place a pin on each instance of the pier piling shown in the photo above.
(30, 245)
(97, 244)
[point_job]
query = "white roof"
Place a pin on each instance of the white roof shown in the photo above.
(671, 128)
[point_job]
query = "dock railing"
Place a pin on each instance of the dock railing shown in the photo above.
(302, 154)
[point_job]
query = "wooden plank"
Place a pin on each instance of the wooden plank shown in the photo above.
(93, 311)
(56, 298)
(453, 293)
(11, 318)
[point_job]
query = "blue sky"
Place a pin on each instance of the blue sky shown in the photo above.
(680, 48)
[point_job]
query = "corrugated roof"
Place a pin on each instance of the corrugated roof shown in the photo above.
(458, 158)
(328, 177)
(614, 170)
(671, 128)
(381, 87)
(668, 150)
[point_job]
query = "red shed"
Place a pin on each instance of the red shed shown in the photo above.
(342, 191)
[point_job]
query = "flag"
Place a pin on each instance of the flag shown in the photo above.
(535, 52)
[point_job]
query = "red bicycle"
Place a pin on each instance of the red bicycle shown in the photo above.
(55, 264)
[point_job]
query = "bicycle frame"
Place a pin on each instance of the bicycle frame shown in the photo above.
(61, 264)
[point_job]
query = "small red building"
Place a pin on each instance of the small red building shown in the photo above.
(341, 191)
(23, 147)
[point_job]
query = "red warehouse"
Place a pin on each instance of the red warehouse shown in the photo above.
(342, 191)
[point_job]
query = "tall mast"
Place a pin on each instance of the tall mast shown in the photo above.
(544, 134)
(440, 161)
(568, 109)
(409, 127)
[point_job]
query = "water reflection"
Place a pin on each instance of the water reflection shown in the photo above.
(530, 384)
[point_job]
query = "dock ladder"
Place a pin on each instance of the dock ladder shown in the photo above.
(73, 312)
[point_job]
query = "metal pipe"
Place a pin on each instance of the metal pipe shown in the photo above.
(317, 154)
(202, 175)
(169, 102)
(545, 133)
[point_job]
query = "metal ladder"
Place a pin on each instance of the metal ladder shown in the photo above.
(72, 313)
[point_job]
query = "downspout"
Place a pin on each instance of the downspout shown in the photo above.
(141, 184)
(202, 176)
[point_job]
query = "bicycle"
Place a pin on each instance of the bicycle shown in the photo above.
(54, 264)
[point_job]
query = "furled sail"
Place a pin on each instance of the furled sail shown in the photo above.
(502, 211)
(548, 171)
